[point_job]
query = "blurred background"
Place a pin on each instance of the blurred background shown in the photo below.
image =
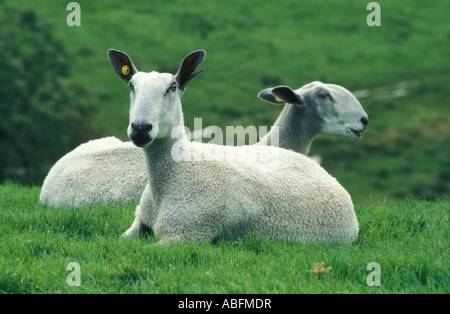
(57, 88)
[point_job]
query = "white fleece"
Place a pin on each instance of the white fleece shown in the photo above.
(104, 171)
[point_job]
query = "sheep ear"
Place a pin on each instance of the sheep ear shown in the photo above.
(267, 95)
(122, 64)
(186, 72)
(287, 95)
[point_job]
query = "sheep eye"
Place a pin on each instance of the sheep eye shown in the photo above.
(172, 88)
(131, 87)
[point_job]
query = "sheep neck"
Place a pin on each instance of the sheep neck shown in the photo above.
(296, 129)
(160, 163)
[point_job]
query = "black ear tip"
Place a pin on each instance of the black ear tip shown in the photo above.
(112, 51)
(281, 88)
(279, 91)
(264, 92)
(201, 52)
(115, 52)
(199, 55)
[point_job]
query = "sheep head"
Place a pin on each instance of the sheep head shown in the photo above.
(329, 109)
(155, 106)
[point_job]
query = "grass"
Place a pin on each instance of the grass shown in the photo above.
(408, 239)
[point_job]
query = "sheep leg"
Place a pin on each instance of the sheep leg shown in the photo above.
(137, 229)
(168, 239)
(168, 230)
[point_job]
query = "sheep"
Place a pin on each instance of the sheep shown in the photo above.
(312, 109)
(315, 108)
(106, 171)
(199, 198)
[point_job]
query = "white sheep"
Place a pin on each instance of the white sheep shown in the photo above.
(286, 196)
(83, 176)
(315, 108)
(104, 171)
(99, 171)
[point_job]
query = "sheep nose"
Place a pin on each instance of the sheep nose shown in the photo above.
(141, 128)
(364, 121)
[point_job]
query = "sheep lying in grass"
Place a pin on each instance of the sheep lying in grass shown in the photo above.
(106, 171)
(315, 108)
(207, 194)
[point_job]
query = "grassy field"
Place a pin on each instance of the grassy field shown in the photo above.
(408, 239)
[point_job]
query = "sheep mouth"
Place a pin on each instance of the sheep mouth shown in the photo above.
(357, 132)
(141, 141)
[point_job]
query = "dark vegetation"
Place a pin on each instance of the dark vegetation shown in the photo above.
(43, 110)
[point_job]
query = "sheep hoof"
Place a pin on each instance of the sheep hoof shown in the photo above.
(130, 233)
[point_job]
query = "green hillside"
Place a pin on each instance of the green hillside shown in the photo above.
(252, 45)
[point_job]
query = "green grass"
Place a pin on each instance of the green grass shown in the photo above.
(409, 240)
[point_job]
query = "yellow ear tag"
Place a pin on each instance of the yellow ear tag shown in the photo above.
(278, 99)
(125, 70)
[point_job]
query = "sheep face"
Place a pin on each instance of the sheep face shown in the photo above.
(323, 108)
(155, 106)
(340, 111)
